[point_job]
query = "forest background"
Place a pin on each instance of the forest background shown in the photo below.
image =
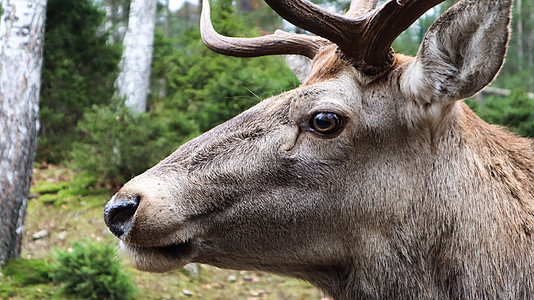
(193, 89)
(87, 129)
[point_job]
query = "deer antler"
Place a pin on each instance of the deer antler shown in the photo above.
(361, 7)
(365, 40)
(273, 44)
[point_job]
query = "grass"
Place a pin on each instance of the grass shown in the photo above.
(72, 210)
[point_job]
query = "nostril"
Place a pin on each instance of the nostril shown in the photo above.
(118, 214)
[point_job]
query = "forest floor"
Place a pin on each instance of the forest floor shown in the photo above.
(78, 218)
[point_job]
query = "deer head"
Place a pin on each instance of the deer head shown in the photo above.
(370, 180)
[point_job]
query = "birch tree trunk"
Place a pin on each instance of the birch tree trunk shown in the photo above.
(21, 49)
(133, 81)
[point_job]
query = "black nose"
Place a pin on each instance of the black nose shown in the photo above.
(118, 214)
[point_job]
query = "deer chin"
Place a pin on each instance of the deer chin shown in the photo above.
(160, 259)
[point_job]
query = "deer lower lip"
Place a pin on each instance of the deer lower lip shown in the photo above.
(182, 249)
(173, 251)
(160, 258)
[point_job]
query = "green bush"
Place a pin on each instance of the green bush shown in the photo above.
(59, 193)
(89, 270)
(27, 271)
(208, 87)
(194, 89)
(49, 199)
(515, 111)
(83, 184)
(116, 145)
(46, 187)
(79, 69)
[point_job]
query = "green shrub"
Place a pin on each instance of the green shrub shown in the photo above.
(193, 90)
(59, 193)
(515, 111)
(116, 145)
(45, 187)
(27, 271)
(89, 271)
(79, 69)
(49, 199)
(208, 87)
(83, 184)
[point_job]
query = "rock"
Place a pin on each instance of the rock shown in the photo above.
(257, 293)
(62, 235)
(187, 292)
(192, 269)
(217, 285)
(232, 278)
(40, 235)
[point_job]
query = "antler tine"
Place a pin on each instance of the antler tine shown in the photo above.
(386, 23)
(313, 18)
(273, 44)
(361, 7)
(365, 40)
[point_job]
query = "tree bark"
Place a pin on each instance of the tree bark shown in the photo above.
(21, 42)
(134, 79)
(245, 6)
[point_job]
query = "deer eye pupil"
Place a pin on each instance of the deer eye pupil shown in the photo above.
(325, 122)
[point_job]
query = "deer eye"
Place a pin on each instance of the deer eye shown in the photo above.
(326, 122)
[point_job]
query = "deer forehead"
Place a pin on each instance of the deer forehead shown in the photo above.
(335, 83)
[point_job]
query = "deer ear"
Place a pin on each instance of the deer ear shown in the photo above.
(461, 53)
(300, 65)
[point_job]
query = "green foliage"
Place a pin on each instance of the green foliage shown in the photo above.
(79, 69)
(519, 66)
(83, 184)
(211, 88)
(25, 279)
(27, 271)
(515, 111)
(49, 199)
(116, 144)
(194, 90)
(409, 41)
(59, 193)
(46, 187)
(89, 270)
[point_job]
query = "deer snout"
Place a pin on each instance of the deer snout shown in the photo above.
(145, 212)
(119, 212)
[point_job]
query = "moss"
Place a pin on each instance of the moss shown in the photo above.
(27, 271)
(49, 187)
(32, 292)
(48, 199)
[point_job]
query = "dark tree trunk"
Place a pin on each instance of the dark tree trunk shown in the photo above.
(245, 5)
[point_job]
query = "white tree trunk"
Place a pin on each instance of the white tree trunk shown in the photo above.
(134, 79)
(21, 51)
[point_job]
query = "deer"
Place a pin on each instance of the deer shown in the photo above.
(371, 180)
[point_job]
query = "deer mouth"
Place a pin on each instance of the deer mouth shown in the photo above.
(160, 258)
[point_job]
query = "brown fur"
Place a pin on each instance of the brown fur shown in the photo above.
(326, 65)
(416, 198)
